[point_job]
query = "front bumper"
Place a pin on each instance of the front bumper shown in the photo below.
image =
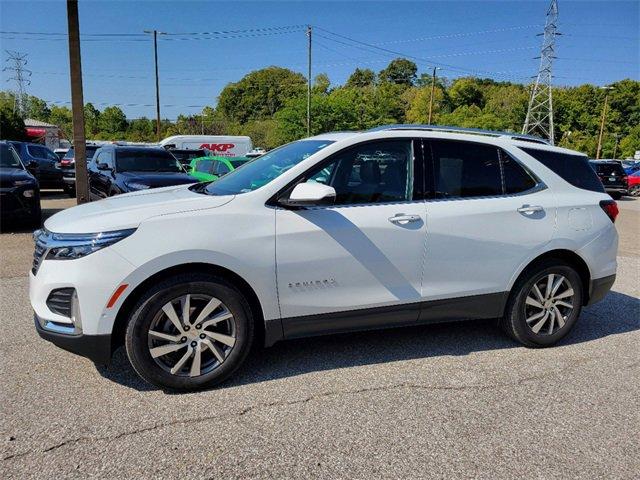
(14, 205)
(599, 287)
(97, 348)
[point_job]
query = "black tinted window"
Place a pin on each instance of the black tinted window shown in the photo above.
(464, 169)
(204, 166)
(574, 169)
(8, 157)
(516, 177)
(370, 173)
(608, 169)
(146, 160)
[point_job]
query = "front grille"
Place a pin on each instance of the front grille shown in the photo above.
(59, 301)
(39, 251)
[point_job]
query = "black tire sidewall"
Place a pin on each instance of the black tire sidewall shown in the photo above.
(521, 331)
(137, 331)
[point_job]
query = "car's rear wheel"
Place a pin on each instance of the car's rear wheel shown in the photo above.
(544, 304)
(635, 191)
(189, 332)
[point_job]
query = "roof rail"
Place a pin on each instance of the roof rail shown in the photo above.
(470, 131)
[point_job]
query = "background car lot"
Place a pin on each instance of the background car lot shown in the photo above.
(431, 401)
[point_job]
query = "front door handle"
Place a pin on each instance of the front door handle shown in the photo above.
(402, 219)
(530, 209)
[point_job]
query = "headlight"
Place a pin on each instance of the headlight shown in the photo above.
(69, 246)
(19, 183)
(137, 186)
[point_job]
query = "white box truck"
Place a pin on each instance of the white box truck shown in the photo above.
(219, 145)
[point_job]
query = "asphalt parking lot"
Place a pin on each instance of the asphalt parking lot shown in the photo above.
(454, 400)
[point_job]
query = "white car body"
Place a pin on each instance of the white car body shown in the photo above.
(219, 145)
(307, 267)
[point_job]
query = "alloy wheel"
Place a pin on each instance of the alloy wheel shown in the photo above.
(549, 304)
(192, 335)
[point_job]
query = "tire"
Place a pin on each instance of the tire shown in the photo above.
(520, 307)
(635, 191)
(216, 364)
(70, 191)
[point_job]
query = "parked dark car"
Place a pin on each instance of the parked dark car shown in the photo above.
(185, 156)
(49, 174)
(68, 166)
(118, 169)
(612, 176)
(19, 191)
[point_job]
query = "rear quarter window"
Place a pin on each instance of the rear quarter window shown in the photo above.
(574, 169)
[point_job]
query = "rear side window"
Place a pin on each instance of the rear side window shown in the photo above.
(575, 169)
(464, 169)
(516, 178)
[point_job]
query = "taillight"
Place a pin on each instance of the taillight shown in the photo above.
(610, 207)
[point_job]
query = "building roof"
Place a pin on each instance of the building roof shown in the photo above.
(30, 122)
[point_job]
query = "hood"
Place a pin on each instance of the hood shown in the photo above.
(130, 209)
(158, 179)
(10, 175)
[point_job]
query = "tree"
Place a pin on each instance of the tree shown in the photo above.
(260, 94)
(400, 71)
(466, 92)
(361, 78)
(321, 84)
(112, 123)
(91, 117)
(61, 116)
(11, 125)
(141, 130)
(37, 109)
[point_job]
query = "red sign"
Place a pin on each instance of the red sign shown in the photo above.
(218, 147)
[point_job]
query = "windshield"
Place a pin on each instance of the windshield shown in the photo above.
(266, 168)
(89, 149)
(147, 160)
(8, 157)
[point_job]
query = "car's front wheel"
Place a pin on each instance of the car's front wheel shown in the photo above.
(544, 304)
(189, 332)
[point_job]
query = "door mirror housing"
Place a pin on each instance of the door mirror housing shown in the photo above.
(32, 167)
(103, 166)
(310, 194)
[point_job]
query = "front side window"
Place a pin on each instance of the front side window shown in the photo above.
(266, 168)
(8, 157)
(375, 172)
(465, 169)
(36, 151)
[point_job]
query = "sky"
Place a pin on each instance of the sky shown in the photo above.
(600, 44)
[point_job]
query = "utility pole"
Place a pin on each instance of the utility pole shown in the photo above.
(615, 146)
(539, 118)
(155, 58)
(20, 75)
(433, 90)
(309, 33)
(602, 120)
(77, 103)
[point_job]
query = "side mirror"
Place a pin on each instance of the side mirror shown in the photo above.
(309, 194)
(32, 167)
(102, 166)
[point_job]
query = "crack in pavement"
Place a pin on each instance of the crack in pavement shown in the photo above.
(404, 385)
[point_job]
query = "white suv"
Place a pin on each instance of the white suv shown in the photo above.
(395, 226)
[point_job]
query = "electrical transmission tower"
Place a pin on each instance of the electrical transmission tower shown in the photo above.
(539, 119)
(17, 62)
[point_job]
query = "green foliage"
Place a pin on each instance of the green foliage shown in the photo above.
(400, 71)
(112, 122)
(260, 94)
(11, 125)
(361, 78)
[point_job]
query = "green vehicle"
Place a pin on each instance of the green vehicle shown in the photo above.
(209, 169)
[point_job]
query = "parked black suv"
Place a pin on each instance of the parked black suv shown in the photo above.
(118, 169)
(49, 174)
(68, 166)
(612, 176)
(19, 191)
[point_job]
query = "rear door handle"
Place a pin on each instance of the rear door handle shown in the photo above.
(529, 209)
(402, 219)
